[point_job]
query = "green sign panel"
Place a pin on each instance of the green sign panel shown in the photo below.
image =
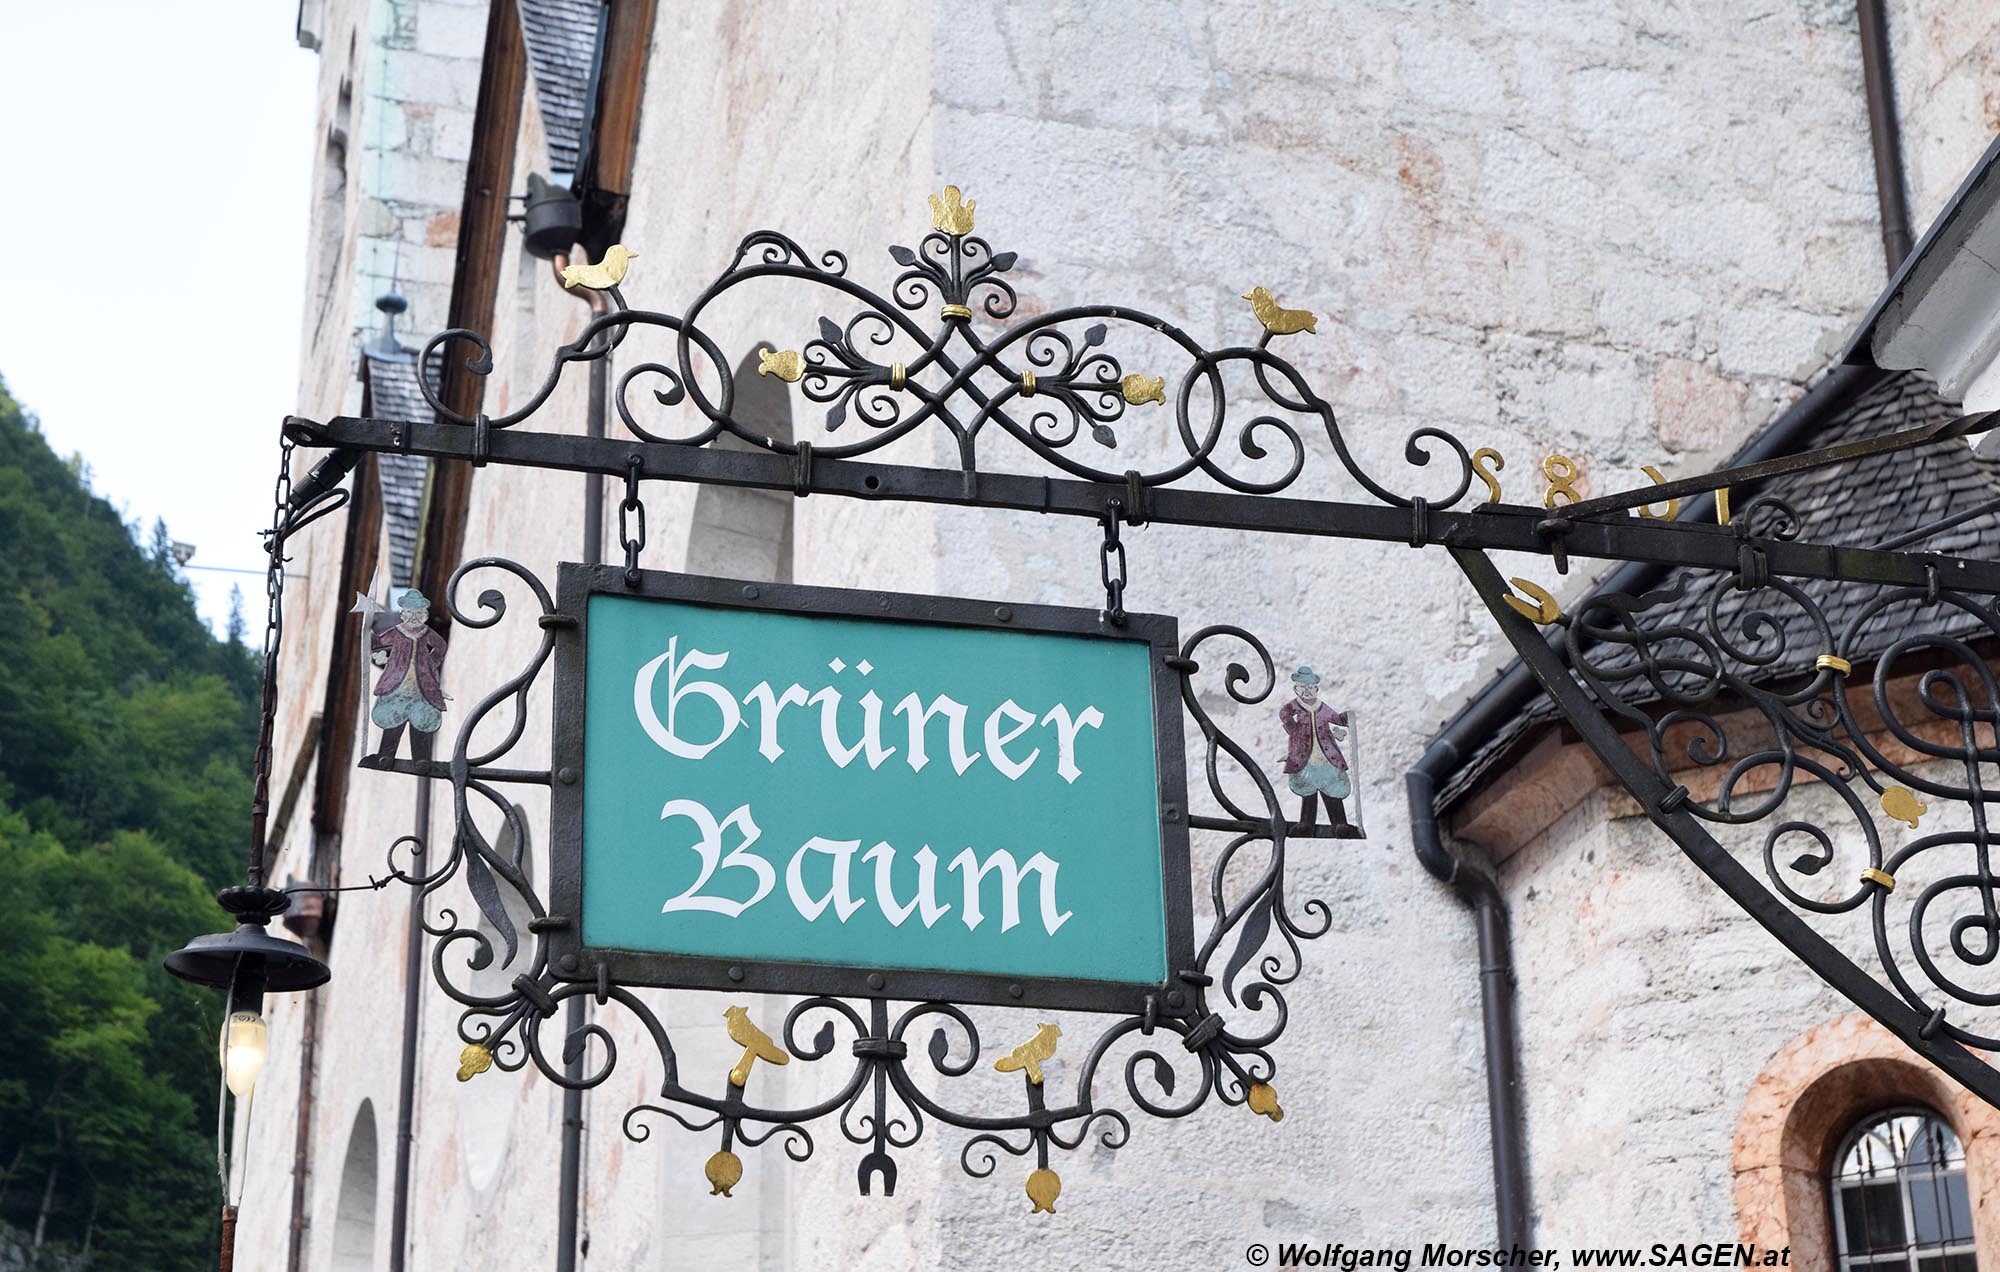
(883, 785)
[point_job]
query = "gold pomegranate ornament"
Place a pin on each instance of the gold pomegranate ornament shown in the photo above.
(724, 1171)
(1044, 1186)
(1264, 1099)
(473, 1061)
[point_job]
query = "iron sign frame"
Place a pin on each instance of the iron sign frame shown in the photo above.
(575, 961)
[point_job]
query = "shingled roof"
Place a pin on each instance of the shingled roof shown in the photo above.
(562, 36)
(390, 374)
(1857, 504)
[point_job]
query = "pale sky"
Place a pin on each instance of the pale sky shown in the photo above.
(158, 160)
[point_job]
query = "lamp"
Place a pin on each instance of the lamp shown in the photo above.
(247, 963)
(245, 1041)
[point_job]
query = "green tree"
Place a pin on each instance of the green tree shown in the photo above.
(126, 731)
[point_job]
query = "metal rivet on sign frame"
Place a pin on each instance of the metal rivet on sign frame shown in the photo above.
(875, 980)
(736, 973)
(568, 963)
(567, 776)
(1005, 613)
(749, 591)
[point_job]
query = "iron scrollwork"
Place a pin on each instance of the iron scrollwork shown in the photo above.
(1167, 1062)
(1046, 381)
(1739, 694)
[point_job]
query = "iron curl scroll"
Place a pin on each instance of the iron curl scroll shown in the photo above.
(881, 367)
(898, 1065)
(1740, 699)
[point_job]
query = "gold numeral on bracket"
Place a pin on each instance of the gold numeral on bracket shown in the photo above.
(1562, 473)
(1673, 505)
(1479, 461)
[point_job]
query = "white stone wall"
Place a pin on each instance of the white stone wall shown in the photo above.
(1624, 231)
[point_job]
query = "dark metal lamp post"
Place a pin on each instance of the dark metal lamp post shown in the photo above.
(248, 963)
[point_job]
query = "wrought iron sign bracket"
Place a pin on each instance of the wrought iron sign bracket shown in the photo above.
(944, 350)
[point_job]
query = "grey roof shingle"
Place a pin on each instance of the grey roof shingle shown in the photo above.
(1855, 504)
(391, 377)
(561, 36)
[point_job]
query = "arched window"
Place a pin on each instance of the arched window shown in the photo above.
(741, 533)
(354, 1216)
(1899, 1197)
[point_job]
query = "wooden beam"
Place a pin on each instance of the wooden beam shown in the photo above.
(482, 229)
(621, 86)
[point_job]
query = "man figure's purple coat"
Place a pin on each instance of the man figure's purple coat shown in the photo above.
(428, 649)
(1293, 716)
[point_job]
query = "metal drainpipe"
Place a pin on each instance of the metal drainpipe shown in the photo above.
(1884, 132)
(1478, 889)
(570, 1204)
(406, 1086)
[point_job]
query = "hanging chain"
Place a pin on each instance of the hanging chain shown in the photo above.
(1111, 563)
(629, 540)
(274, 620)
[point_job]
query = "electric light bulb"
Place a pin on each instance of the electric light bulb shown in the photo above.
(245, 1040)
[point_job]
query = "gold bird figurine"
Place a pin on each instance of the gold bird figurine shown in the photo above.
(756, 1044)
(1030, 1054)
(1277, 321)
(606, 274)
(1138, 389)
(1903, 806)
(787, 366)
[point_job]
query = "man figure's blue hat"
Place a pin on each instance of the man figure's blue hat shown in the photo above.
(412, 599)
(1305, 676)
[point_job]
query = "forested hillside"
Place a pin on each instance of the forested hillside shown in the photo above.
(126, 732)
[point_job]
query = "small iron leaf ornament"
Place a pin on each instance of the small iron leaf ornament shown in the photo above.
(951, 214)
(1103, 436)
(902, 255)
(473, 1061)
(1139, 389)
(787, 366)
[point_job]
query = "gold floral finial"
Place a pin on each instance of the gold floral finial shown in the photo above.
(951, 214)
(787, 366)
(473, 1061)
(1139, 389)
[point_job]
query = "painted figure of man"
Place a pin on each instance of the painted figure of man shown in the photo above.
(408, 694)
(1314, 763)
